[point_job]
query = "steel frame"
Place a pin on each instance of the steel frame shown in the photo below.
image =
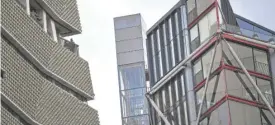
(182, 65)
(207, 81)
(162, 116)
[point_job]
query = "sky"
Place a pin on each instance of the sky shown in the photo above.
(97, 41)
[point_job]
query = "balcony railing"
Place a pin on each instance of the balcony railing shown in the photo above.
(262, 68)
(248, 33)
(70, 45)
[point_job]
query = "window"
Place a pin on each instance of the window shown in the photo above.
(195, 43)
(243, 52)
(194, 32)
(261, 62)
(198, 74)
(266, 89)
(132, 77)
(253, 58)
(207, 25)
(204, 30)
(201, 66)
(244, 25)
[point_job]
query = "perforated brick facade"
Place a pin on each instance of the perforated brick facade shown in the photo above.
(45, 83)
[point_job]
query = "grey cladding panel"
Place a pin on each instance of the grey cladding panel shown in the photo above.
(129, 45)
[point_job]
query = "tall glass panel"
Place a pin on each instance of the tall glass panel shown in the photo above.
(133, 88)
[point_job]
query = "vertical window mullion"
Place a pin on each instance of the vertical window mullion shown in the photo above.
(156, 57)
(181, 42)
(150, 60)
(163, 49)
(174, 39)
(160, 53)
(168, 44)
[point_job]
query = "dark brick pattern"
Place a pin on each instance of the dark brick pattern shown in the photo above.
(69, 67)
(23, 83)
(56, 107)
(67, 10)
(9, 117)
(26, 30)
(42, 100)
(30, 89)
(64, 63)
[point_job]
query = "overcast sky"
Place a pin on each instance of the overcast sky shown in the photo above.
(97, 42)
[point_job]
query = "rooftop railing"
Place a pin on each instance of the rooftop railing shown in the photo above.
(248, 33)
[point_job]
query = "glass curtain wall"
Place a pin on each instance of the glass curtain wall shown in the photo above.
(133, 90)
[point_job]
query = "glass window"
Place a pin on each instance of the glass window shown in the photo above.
(218, 117)
(132, 77)
(204, 29)
(243, 52)
(261, 61)
(194, 32)
(244, 25)
(242, 114)
(207, 25)
(198, 74)
(238, 85)
(259, 30)
(265, 87)
(212, 19)
(206, 60)
(195, 43)
(134, 102)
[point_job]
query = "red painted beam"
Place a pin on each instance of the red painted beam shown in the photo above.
(231, 68)
(234, 68)
(205, 47)
(214, 107)
(238, 40)
(248, 102)
(196, 20)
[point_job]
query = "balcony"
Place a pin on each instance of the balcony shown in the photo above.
(70, 45)
(248, 33)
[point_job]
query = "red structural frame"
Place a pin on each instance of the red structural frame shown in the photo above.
(206, 11)
(224, 66)
(236, 99)
(231, 68)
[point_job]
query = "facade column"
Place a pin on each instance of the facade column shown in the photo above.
(44, 19)
(53, 30)
(28, 7)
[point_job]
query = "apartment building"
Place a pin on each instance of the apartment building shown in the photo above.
(210, 66)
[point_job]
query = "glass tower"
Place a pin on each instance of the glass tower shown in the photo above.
(129, 34)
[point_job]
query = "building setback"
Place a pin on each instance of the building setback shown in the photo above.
(198, 36)
(129, 39)
(43, 79)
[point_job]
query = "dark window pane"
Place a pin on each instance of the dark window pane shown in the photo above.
(244, 24)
